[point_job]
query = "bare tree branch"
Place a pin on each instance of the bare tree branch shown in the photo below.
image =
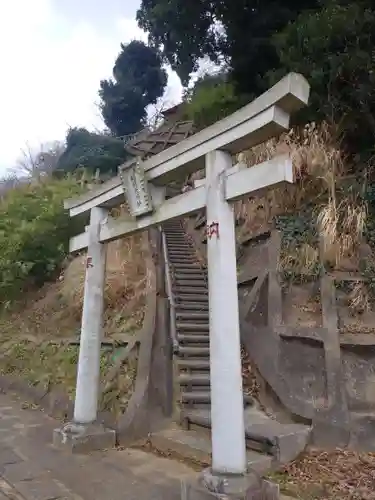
(34, 163)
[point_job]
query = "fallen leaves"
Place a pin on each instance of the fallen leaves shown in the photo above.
(340, 474)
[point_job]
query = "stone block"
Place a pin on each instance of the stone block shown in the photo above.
(209, 486)
(80, 438)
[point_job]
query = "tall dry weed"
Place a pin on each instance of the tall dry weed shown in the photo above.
(126, 283)
(320, 169)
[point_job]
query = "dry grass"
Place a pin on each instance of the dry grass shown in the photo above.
(359, 299)
(303, 260)
(324, 187)
(341, 227)
(318, 165)
(319, 169)
(249, 379)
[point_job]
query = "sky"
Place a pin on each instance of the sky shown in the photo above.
(53, 54)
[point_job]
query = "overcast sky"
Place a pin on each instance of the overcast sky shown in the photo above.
(53, 54)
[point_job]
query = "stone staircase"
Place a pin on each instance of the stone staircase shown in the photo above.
(269, 442)
(192, 325)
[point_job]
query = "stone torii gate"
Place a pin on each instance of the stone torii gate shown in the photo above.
(143, 184)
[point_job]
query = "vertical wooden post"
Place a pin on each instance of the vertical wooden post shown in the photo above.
(227, 411)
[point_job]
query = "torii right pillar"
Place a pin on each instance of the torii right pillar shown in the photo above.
(229, 476)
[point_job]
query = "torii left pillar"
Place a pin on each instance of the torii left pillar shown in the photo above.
(84, 433)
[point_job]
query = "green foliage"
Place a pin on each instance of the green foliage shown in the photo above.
(91, 151)
(367, 266)
(334, 49)
(34, 235)
(46, 364)
(138, 80)
(188, 30)
(369, 198)
(298, 231)
(211, 100)
(297, 228)
(330, 42)
(182, 29)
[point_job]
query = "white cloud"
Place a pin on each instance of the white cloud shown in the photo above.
(129, 29)
(51, 73)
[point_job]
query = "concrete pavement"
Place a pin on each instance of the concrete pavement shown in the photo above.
(31, 469)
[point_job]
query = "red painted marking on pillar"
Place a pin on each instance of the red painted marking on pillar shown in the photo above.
(212, 229)
(89, 262)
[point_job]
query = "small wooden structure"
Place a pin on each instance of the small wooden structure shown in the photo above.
(173, 130)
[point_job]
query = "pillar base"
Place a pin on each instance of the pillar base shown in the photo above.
(249, 486)
(83, 438)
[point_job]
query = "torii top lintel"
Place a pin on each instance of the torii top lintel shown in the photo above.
(263, 118)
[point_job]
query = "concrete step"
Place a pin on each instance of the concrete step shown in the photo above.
(201, 396)
(196, 446)
(204, 396)
(194, 364)
(192, 315)
(197, 298)
(180, 244)
(284, 442)
(185, 256)
(185, 261)
(190, 271)
(173, 226)
(177, 242)
(190, 307)
(194, 378)
(189, 268)
(199, 276)
(188, 326)
(190, 283)
(184, 251)
(190, 289)
(182, 260)
(194, 351)
(193, 339)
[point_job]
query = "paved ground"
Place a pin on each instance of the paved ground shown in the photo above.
(31, 469)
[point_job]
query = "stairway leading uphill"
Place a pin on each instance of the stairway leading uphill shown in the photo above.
(268, 441)
(192, 324)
